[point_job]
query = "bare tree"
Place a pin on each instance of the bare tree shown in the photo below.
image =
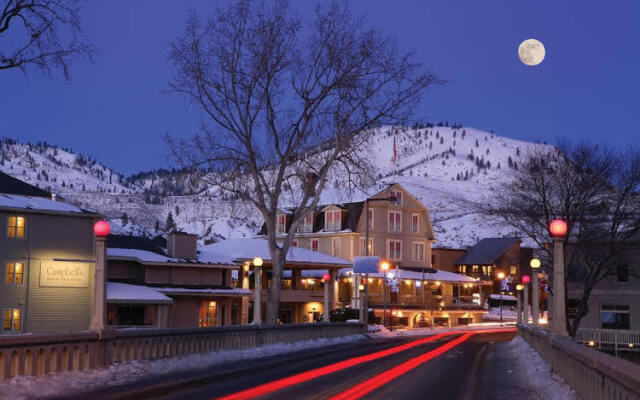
(595, 190)
(41, 34)
(287, 105)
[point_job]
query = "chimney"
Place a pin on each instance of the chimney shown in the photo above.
(182, 245)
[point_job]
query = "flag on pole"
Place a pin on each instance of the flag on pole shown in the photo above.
(395, 154)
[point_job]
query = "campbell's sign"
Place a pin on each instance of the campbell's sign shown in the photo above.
(64, 274)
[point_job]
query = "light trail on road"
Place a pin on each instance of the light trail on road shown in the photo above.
(368, 385)
(328, 369)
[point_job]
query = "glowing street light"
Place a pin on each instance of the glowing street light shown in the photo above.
(519, 303)
(535, 299)
(501, 277)
(257, 262)
(558, 229)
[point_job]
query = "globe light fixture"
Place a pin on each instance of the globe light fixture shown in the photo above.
(501, 275)
(326, 277)
(535, 263)
(384, 266)
(257, 262)
(101, 228)
(558, 228)
(518, 287)
(526, 279)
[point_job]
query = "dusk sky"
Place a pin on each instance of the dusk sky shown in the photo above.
(115, 109)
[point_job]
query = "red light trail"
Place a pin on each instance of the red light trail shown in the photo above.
(369, 385)
(279, 384)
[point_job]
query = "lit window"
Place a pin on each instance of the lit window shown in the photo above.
(418, 251)
(335, 247)
(474, 268)
(395, 221)
(513, 270)
(282, 223)
(15, 273)
(398, 195)
(395, 250)
(12, 319)
(463, 269)
(362, 249)
(415, 223)
(315, 244)
(207, 315)
(615, 316)
(15, 227)
(333, 220)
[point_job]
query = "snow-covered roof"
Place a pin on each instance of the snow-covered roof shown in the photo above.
(126, 293)
(439, 275)
(149, 257)
(247, 249)
(38, 204)
(219, 292)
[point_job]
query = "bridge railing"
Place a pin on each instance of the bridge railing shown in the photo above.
(609, 339)
(45, 353)
(594, 375)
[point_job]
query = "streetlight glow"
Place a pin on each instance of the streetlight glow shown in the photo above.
(558, 228)
(518, 287)
(384, 266)
(257, 262)
(501, 275)
(535, 263)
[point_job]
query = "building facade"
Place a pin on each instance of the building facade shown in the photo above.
(176, 287)
(47, 261)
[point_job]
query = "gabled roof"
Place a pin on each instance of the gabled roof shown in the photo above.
(41, 204)
(487, 251)
(11, 185)
(247, 249)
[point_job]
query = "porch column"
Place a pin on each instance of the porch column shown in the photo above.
(296, 277)
(257, 297)
(325, 311)
(227, 311)
(333, 289)
(219, 306)
(244, 279)
(98, 309)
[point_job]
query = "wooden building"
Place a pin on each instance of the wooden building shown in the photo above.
(47, 261)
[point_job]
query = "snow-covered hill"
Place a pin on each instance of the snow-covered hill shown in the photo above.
(449, 168)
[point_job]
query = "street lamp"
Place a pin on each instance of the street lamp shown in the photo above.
(535, 300)
(257, 298)
(500, 278)
(364, 302)
(558, 230)
(519, 304)
(384, 266)
(525, 314)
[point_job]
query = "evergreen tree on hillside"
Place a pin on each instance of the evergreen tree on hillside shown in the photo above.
(170, 224)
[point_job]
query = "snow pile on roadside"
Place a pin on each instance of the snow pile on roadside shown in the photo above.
(385, 332)
(537, 374)
(29, 387)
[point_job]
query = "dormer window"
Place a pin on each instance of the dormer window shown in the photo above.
(307, 223)
(281, 223)
(333, 220)
(398, 195)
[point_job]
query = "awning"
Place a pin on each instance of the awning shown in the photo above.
(236, 292)
(125, 293)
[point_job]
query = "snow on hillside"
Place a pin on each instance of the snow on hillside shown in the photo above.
(450, 169)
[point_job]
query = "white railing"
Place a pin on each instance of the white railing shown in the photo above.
(624, 340)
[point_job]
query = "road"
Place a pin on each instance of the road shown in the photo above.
(452, 366)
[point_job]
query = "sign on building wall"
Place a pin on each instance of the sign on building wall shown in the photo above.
(64, 274)
(365, 265)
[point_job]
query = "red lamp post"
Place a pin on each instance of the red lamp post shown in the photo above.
(101, 228)
(558, 230)
(525, 312)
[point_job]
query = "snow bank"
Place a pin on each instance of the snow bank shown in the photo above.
(536, 374)
(29, 387)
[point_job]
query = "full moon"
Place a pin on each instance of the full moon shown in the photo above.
(531, 52)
